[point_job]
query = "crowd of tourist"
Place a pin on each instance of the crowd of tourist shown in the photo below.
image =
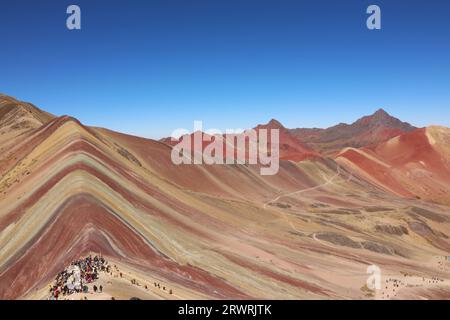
(74, 279)
(81, 276)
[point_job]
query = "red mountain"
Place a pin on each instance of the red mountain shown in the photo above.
(413, 164)
(368, 130)
(291, 148)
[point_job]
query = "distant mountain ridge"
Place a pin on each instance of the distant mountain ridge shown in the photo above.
(368, 130)
(302, 143)
(291, 147)
(295, 144)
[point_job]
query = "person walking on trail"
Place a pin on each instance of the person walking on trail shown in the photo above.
(95, 288)
(101, 288)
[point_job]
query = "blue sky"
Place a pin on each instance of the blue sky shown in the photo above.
(148, 67)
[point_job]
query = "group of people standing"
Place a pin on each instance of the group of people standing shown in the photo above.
(74, 279)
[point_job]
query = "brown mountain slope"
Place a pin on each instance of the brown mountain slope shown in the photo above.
(368, 130)
(18, 115)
